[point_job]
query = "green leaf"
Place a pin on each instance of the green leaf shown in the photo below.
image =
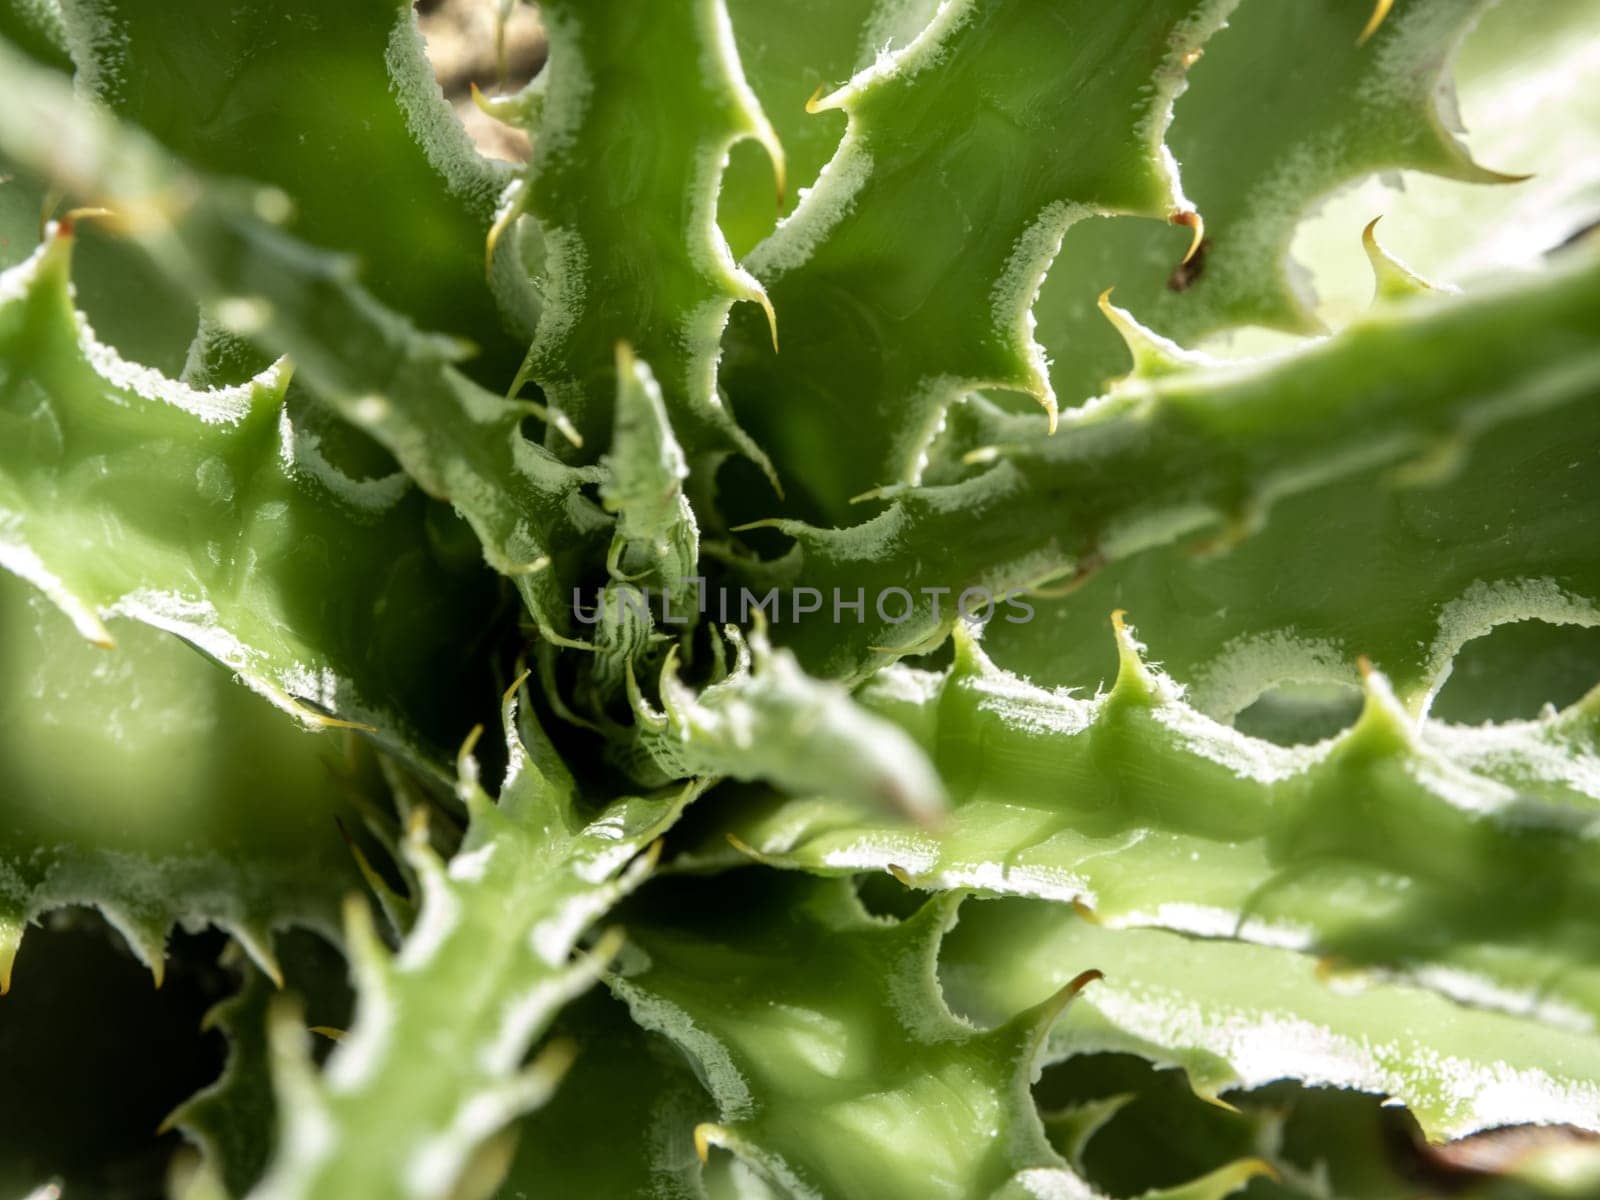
(457, 441)
(1303, 106)
(769, 721)
(906, 275)
(1239, 1016)
(143, 781)
(640, 105)
(1391, 846)
(337, 108)
(1403, 575)
(835, 1066)
(434, 1067)
(1200, 457)
(218, 516)
(657, 540)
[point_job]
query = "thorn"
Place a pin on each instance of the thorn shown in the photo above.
(772, 317)
(1043, 1016)
(814, 104)
(1380, 10)
(466, 765)
(1392, 279)
(702, 1141)
(1216, 1101)
(505, 220)
(1191, 220)
(379, 886)
(900, 873)
(506, 697)
(763, 523)
(606, 947)
(417, 825)
(877, 493)
(11, 930)
(651, 858)
(1191, 57)
(66, 224)
(1084, 911)
(258, 946)
(1134, 680)
(322, 721)
(744, 847)
(555, 1060)
(1384, 726)
(1153, 355)
(779, 160)
(329, 1032)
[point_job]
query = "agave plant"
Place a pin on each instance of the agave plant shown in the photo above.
(668, 718)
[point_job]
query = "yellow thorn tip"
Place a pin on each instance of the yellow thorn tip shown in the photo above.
(1191, 220)
(1380, 10)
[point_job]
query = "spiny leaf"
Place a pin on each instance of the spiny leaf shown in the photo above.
(319, 588)
(907, 274)
(1238, 1016)
(1198, 459)
(352, 81)
(433, 1068)
(143, 781)
(234, 1120)
(657, 541)
(1478, 525)
(641, 103)
(459, 442)
(836, 1067)
(1375, 848)
(769, 721)
(1304, 107)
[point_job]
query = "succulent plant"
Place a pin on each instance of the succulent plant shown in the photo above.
(668, 718)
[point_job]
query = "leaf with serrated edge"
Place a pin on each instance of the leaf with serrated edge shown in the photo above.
(1373, 848)
(879, 330)
(836, 1068)
(459, 442)
(1348, 108)
(641, 105)
(434, 1066)
(1198, 456)
(144, 781)
(1239, 1016)
(215, 516)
